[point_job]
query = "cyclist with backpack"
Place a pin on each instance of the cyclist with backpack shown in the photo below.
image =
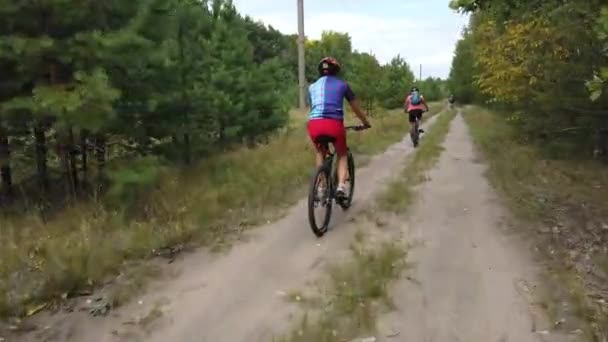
(415, 105)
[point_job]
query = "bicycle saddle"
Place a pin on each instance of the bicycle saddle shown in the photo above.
(325, 139)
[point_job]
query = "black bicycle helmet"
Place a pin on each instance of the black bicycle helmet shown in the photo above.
(414, 89)
(329, 66)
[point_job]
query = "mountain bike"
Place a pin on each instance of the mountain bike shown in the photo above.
(416, 134)
(324, 184)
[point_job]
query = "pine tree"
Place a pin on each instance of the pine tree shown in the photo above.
(398, 79)
(59, 63)
(110, 82)
(364, 73)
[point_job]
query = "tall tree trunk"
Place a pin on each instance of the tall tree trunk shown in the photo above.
(84, 154)
(100, 157)
(62, 151)
(177, 147)
(187, 158)
(41, 156)
(6, 186)
(72, 165)
(250, 141)
(222, 132)
(187, 149)
(601, 144)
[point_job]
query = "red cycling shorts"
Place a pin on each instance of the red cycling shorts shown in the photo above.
(331, 128)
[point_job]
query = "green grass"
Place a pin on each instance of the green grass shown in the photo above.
(399, 195)
(352, 295)
(564, 194)
(208, 204)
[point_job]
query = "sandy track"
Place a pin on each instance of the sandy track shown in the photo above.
(472, 280)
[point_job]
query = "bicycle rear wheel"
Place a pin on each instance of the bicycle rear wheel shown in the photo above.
(416, 134)
(319, 197)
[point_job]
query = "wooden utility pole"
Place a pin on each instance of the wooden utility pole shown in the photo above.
(301, 56)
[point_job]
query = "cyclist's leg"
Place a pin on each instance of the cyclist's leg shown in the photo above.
(320, 156)
(412, 120)
(337, 131)
(342, 169)
(419, 120)
(315, 129)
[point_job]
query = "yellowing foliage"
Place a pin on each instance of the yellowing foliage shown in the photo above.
(510, 61)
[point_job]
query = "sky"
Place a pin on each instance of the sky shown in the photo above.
(421, 31)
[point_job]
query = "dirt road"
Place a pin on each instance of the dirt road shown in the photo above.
(238, 296)
(471, 280)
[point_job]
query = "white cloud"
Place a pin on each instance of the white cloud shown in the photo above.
(428, 38)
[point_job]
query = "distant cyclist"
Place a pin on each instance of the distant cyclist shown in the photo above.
(451, 100)
(415, 105)
(326, 116)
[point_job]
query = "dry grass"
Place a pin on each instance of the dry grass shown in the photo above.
(560, 204)
(208, 204)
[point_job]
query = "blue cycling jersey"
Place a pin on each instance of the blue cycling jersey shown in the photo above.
(327, 96)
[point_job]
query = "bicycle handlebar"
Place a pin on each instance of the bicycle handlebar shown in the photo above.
(356, 128)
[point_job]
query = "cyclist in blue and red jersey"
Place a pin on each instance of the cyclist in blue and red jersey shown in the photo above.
(326, 116)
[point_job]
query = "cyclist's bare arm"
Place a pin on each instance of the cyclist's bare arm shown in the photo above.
(354, 105)
(425, 104)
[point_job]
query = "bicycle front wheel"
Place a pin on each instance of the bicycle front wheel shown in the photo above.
(416, 134)
(320, 201)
